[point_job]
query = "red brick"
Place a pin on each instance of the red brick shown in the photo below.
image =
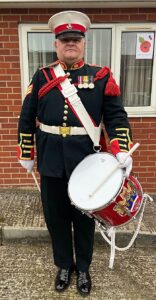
(10, 31)
(2, 58)
(11, 58)
(4, 153)
(120, 18)
(43, 18)
(11, 45)
(6, 90)
(4, 65)
(13, 120)
(11, 18)
(14, 96)
(5, 77)
(13, 38)
(3, 71)
(5, 165)
(4, 108)
(38, 11)
(13, 84)
(129, 10)
(4, 24)
(151, 17)
(4, 38)
(13, 70)
(111, 10)
(101, 18)
(12, 126)
(14, 51)
(30, 18)
(147, 10)
(3, 84)
(12, 137)
(138, 17)
(15, 65)
(13, 25)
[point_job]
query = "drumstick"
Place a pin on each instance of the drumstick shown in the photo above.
(35, 179)
(114, 168)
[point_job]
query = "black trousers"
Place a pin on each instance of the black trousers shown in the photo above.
(69, 246)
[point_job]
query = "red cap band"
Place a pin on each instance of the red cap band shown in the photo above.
(66, 27)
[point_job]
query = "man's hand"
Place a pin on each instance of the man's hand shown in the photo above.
(127, 164)
(27, 164)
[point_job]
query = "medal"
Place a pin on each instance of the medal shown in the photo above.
(85, 85)
(86, 82)
(80, 82)
(91, 82)
(91, 85)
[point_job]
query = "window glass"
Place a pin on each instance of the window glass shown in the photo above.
(135, 72)
(98, 46)
(40, 50)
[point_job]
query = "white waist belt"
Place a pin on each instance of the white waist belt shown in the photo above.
(64, 131)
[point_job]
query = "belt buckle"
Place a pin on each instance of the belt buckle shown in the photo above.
(64, 131)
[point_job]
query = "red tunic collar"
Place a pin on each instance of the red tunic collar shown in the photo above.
(75, 66)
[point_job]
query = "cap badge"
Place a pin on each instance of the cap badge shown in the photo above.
(69, 26)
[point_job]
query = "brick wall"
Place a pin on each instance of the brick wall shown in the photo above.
(11, 174)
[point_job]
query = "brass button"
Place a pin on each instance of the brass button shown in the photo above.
(64, 124)
(64, 118)
(66, 106)
(65, 112)
(68, 74)
(64, 135)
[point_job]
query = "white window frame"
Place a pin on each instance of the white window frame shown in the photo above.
(117, 29)
(140, 111)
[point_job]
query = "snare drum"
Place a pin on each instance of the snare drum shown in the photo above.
(116, 202)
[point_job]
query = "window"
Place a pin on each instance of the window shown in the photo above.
(135, 74)
(135, 71)
(106, 44)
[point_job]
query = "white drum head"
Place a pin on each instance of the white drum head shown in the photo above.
(88, 174)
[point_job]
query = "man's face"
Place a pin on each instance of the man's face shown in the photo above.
(70, 50)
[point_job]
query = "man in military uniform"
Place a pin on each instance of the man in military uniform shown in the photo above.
(62, 141)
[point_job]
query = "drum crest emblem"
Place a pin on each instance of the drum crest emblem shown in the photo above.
(126, 204)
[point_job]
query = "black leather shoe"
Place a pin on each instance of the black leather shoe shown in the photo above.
(83, 283)
(62, 279)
